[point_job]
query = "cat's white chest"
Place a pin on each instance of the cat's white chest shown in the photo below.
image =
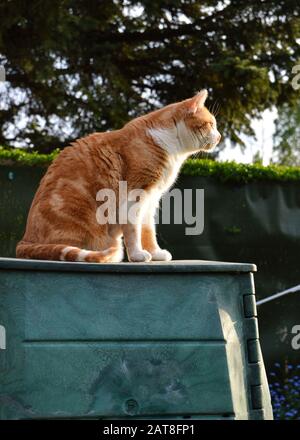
(167, 179)
(169, 174)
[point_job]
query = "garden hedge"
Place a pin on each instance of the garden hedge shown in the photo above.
(223, 171)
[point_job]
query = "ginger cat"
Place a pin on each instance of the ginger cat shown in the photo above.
(147, 153)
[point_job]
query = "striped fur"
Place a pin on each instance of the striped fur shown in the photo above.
(147, 153)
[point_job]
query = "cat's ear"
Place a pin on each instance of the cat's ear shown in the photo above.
(197, 101)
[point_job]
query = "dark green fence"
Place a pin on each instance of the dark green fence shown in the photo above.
(257, 222)
(17, 185)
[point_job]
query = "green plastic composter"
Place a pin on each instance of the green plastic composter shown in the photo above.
(159, 340)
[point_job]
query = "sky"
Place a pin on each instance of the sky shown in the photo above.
(264, 130)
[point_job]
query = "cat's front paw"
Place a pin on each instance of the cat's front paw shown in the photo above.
(161, 255)
(140, 256)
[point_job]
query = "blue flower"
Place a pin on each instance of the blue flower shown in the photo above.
(285, 391)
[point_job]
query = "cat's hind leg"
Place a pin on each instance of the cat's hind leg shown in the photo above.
(63, 252)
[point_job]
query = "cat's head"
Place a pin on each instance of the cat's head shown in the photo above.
(200, 121)
(185, 127)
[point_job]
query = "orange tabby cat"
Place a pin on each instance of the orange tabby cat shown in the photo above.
(147, 153)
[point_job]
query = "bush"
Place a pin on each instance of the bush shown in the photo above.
(223, 171)
(11, 156)
(284, 384)
(239, 172)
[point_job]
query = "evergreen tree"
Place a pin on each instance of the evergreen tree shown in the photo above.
(78, 66)
(287, 135)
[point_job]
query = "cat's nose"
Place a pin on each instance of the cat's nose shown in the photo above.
(219, 137)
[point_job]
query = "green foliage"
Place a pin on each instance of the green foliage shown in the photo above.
(239, 173)
(287, 135)
(224, 171)
(23, 157)
(233, 229)
(284, 383)
(74, 66)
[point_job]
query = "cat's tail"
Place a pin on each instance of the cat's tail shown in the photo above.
(61, 252)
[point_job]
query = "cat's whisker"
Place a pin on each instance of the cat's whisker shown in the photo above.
(217, 110)
(213, 108)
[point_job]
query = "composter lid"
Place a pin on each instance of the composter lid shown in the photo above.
(154, 266)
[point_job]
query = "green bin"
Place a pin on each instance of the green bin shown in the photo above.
(168, 340)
